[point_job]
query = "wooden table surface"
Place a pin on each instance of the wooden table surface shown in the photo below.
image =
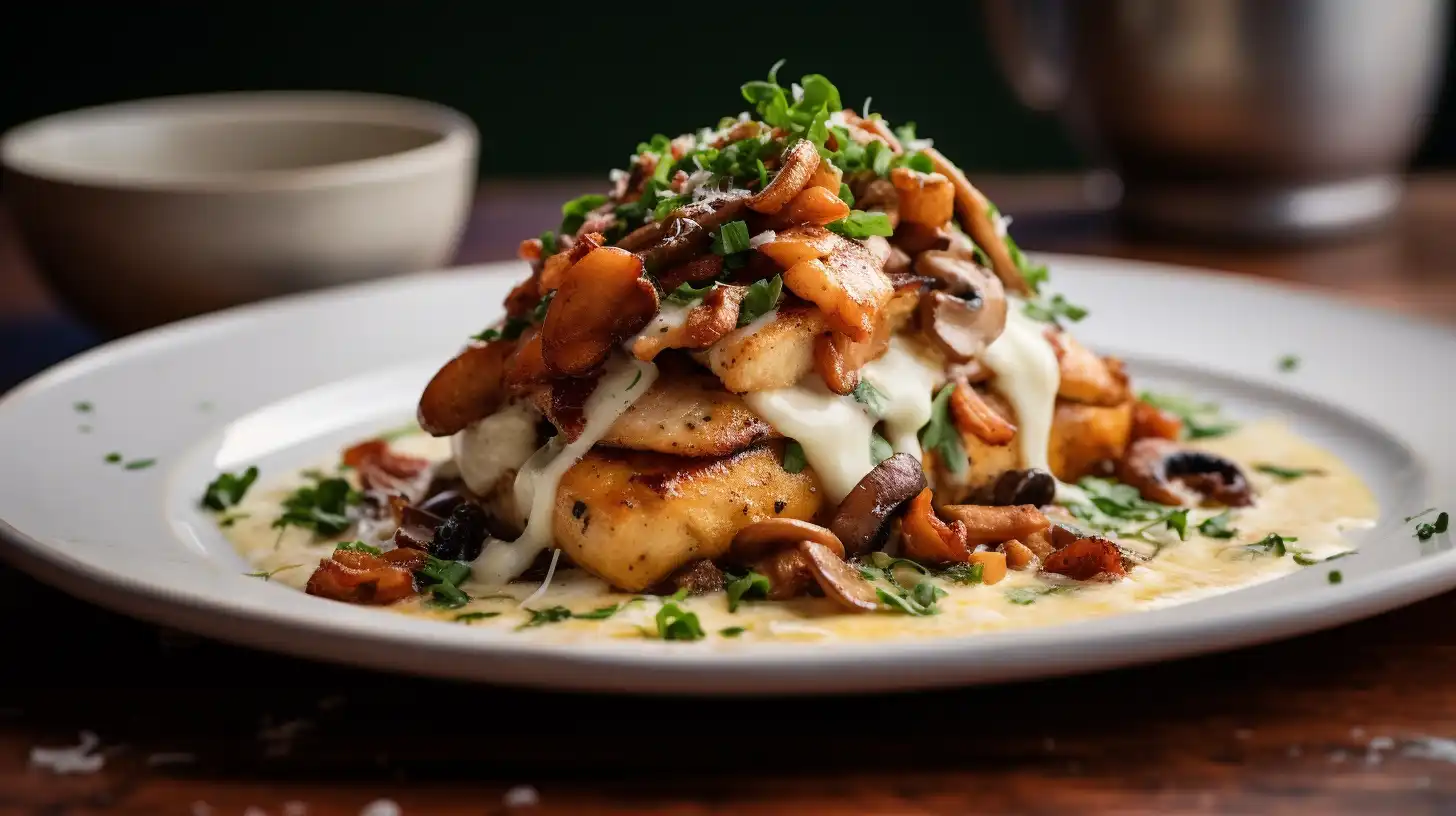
(1354, 720)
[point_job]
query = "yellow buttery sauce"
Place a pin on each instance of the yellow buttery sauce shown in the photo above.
(1316, 509)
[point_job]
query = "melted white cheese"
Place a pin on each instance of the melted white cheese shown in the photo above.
(503, 441)
(669, 316)
(908, 383)
(624, 381)
(834, 431)
(1028, 376)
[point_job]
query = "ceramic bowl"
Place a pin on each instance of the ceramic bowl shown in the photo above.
(145, 212)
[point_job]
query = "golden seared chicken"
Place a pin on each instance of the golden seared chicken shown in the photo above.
(782, 344)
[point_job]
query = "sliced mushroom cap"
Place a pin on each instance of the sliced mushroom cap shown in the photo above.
(685, 234)
(1166, 473)
(603, 300)
(1032, 486)
(468, 388)
(838, 579)
(863, 518)
(799, 163)
(970, 314)
(763, 537)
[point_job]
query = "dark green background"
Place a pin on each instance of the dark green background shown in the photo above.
(558, 90)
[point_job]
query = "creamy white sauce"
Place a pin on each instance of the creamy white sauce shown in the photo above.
(834, 431)
(669, 316)
(625, 380)
(501, 442)
(907, 382)
(1028, 376)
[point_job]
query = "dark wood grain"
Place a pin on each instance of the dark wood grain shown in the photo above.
(1337, 722)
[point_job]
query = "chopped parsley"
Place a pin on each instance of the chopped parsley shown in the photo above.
(548, 244)
(739, 588)
(226, 490)
(1111, 506)
(1025, 596)
(808, 117)
(917, 161)
(467, 617)
(1218, 526)
(541, 617)
(965, 574)
(1272, 544)
(902, 585)
(268, 575)
(794, 461)
(880, 448)
(83, 407)
(1304, 559)
(442, 580)
(322, 507)
(230, 519)
(845, 194)
(667, 206)
(686, 293)
(1426, 530)
(113, 458)
(760, 299)
(1289, 362)
(940, 434)
(1336, 577)
(860, 224)
(635, 380)
(574, 212)
(1201, 420)
(731, 239)
(732, 631)
(1287, 473)
(358, 546)
(870, 397)
(676, 623)
(139, 464)
(1053, 309)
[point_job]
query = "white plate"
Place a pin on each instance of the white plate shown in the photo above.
(287, 382)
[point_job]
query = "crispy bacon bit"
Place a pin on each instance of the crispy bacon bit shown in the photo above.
(1149, 421)
(529, 250)
(468, 388)
(973, 416)
(523, 298)
(381, 468)
(556, 265)
(603, 300)
(928, 539)
(830, 360)
(1085, 559)
(526, 368)
(365, 578)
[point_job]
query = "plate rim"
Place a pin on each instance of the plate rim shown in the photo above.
(657, 671)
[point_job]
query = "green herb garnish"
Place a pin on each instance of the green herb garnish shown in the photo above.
(112, 458)
(1287, 473)
(794, 461)
(467, 617)
(1272, 544)
(676, 623)
(870, 397)
(1289, 362)
(575, 211)
(1336, 577)
(760, 299)
(541, 617)
(1024, 596)
(845, 194)
(1218, 526)
(880, 448)
(687, 293)
(1113, 507)
(732, 631)
(940, 434)
(731, 239)
(1425, 530)
(965, 574)
(1053, 309)
(226, 490)
(139, 464)
(739, 588)
(321, 507)
(1201, 420)
(268, 576)
(358, 546)
(860, 224)
(82, 407)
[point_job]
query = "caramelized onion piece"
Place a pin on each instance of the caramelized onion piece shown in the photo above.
(975, 212)
(813, 205)
(763, 537)
(602, 301)
(847, 286)
(526, 369)
(798, 244)
(468, 388)
(838, 579)
(925, 198)
(798, 165)
(927, 538)
(1152, 422)
(864, 516)
(830, 360)
(973, 416)
(993, 525)
(365, 578)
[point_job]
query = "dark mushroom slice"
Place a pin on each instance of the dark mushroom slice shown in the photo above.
(1167, 473)
(769, 535)
(697, 577)
(838, 579)
(468, 388)
(863, 518)
(970, 314)
(686, 233)
(1032, 486)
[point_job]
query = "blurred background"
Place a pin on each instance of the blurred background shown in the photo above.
(559, 92)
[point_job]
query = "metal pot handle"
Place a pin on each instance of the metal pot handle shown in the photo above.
(1029, 39)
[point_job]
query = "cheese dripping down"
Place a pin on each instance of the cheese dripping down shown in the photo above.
(835, 431)
(1029, 375)
(624, 380)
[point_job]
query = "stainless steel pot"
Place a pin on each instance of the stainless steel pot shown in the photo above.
(1261, 119)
